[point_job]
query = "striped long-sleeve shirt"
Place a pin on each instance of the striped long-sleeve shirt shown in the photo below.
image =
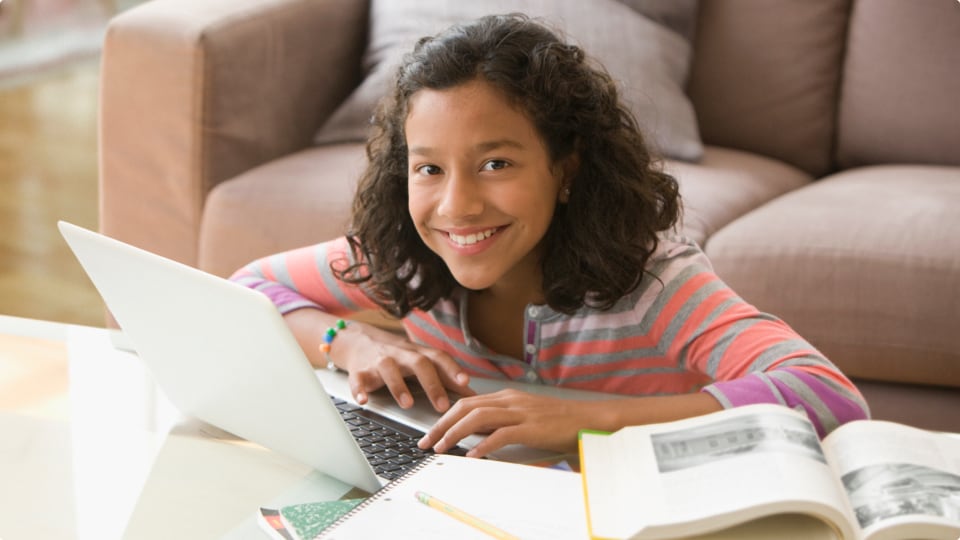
(679, 332)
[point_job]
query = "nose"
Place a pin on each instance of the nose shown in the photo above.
(461, 197)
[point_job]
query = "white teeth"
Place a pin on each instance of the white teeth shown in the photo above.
(472, 238)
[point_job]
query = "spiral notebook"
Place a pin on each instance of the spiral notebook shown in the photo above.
(525, 501)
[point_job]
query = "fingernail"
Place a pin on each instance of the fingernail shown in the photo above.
(463, 378)
(443, 403)
(361, 397)
(405, 400)
(423, 443)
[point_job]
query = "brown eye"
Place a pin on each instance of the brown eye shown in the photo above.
(495, 165)
(428, 170)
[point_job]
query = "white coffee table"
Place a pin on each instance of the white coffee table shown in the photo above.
(89, 448)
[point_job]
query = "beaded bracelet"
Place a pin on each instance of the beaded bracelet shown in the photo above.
(328, 339)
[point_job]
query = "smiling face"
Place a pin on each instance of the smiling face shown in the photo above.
(482, 188)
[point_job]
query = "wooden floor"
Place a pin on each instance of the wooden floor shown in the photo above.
(48, 172)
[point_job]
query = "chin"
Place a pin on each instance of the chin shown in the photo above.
(473, 283)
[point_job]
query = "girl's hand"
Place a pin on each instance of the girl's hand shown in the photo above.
(374, 358)
(512, 417)
(515, 417)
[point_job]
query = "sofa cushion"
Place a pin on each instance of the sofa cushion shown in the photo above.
(764, 77)
(677, 15)
(901, 84)
(922, 406)
(865, 264)
(298, 200)
(726, 184)
(648, 60)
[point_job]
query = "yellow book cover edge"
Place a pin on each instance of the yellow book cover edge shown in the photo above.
(583, 477)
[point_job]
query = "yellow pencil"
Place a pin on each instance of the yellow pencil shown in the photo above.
(464, 517)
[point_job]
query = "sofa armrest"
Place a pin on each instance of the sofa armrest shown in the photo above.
(194, 93)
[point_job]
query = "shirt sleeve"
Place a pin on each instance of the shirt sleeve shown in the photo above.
(303, 278)
(752, 357)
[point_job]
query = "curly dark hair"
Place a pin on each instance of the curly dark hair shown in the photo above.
(597, 245)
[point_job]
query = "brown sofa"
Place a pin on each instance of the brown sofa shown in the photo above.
(826, 192)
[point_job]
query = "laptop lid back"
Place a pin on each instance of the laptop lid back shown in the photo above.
(221, 352)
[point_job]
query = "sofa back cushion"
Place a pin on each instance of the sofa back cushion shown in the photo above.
(901, 84)
(765, 77)
(648, 56)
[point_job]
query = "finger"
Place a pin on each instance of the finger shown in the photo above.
(482, 420)
(430, 380)
(498, 439)
(389, 371)
(459, 410)
(451, 374)
(433, 435)
(361, 382)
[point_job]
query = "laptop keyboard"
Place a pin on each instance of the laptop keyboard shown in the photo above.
(389, 446)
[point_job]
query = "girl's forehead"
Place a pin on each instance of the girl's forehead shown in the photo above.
(476, 104)
(473, 92)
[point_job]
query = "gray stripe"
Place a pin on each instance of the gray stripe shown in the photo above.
(808, 360)
(435, 332)
(279, 267)
(618, 373)
(734, 330)
(668, 292)
(683, 315)
(774, 390)
(770, 356)
(809, 397)
(834, 386)
(605, 358)
(724, 402)
(666, 339)
(707, 322)
(642, 328)
(629, 372)
(333, 284)
(449, 318)
(716, 355)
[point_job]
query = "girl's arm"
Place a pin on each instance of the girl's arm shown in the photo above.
(750, 356)
(311, 299)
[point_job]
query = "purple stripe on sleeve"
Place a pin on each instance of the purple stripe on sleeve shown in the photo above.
(745, 391)
(759, 388)
(284, 298)
(840, 404)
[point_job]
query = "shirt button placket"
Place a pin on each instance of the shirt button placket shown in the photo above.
(530, 349)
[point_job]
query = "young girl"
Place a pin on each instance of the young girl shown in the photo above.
(513, 218)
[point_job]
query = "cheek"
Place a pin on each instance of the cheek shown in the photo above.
(417, 207)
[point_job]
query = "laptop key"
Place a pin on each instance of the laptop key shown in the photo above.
(389, 446)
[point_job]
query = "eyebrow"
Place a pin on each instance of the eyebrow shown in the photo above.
(485, 146)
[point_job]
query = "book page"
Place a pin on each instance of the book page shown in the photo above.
(523, 500)
(902, 482)
(708, 473)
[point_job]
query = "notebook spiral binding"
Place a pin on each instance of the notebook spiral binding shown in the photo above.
(383, 492)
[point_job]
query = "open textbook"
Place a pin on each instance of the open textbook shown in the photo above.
(868, 480)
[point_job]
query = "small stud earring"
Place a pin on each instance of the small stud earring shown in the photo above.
(566, 191)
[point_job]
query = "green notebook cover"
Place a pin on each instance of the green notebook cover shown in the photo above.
(307, 520)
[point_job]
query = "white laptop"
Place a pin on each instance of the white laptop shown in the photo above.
(222, 352)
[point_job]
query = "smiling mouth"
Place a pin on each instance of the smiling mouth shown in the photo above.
(470, 239)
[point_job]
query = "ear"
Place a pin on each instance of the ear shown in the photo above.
(567, 169)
